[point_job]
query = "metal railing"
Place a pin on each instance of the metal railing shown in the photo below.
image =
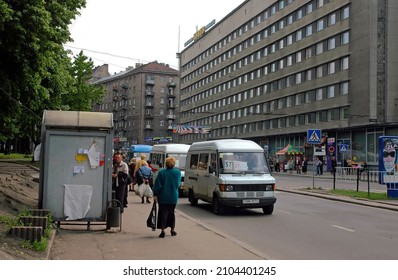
(373, 179)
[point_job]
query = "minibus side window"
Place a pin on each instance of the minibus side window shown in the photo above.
(161, 160)
(203, 162)
(154, 158)
(193, 163)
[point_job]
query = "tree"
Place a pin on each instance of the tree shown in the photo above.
(85, 93)
(35, 69)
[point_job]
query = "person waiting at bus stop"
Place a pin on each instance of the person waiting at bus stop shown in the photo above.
(119, 180)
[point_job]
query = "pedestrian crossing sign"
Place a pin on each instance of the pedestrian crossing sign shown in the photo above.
(314, 136)
(343, 148)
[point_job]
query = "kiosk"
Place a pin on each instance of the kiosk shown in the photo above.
(76, 165)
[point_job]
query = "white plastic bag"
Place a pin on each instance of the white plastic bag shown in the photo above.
(148, 191)
(136, 189)
(145, 190)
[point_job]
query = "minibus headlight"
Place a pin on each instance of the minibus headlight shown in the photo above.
(226, 188)
(270, 187)
(229, 188)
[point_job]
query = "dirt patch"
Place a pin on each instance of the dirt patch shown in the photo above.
(19, 190)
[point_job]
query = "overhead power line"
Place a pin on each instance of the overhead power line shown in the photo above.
(113, 55)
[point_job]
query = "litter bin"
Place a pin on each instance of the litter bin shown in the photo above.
(113, 215)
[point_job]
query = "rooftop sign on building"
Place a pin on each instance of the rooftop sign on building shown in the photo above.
(200, 33)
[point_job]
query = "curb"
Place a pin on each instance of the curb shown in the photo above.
(361, 201)
(50, 243)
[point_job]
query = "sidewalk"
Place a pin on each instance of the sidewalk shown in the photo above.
(327, 185)
(194, 241)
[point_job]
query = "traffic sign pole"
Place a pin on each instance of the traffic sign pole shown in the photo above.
(314, 137)
(313, 167)
(343, 148)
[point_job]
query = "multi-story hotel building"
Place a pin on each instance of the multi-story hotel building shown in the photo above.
(144, 103)
(271, 71)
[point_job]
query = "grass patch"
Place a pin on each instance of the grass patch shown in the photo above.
(10, 221)
(361, 194)
(39, 246)
(16, 156)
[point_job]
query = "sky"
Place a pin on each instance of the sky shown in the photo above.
(121, 33)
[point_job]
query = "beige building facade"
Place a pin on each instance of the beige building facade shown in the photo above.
(272, 71)
(144, 102)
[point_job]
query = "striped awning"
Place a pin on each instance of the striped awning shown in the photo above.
(289, 149)
(189, 129)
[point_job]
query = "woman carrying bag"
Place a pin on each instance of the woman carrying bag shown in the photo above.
(144, 175)
(165, 192)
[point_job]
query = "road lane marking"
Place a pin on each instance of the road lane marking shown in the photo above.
(343, 228)
(285, 212)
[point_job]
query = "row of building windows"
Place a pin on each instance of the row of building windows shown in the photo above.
(124, 103)
(124, 125)
(333, 114)
(325, 92)
(306, 75)
(287, 40)
(263, 16)
(118, 94)
(315, 49)
(269, 107)
(283, 122)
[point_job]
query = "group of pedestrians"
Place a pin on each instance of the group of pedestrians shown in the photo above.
(297, 164)
(165, 188)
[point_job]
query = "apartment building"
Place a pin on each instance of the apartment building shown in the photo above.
(270, 71)
(143, 101)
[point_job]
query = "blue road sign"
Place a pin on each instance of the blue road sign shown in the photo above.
(343, 148)
(314, 136)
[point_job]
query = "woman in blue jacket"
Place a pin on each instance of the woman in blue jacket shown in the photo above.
(165, 192)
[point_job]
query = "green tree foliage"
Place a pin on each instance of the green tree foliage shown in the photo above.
(36, 72)
(85, 94)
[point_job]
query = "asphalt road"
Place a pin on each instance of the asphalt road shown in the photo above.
(304, 227)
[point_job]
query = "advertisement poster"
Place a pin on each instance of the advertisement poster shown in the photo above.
(388, 164)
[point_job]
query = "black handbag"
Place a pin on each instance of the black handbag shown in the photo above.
(123, 178)
(151, 221)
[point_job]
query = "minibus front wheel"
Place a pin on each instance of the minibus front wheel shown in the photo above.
(218, 209)
(268, 209)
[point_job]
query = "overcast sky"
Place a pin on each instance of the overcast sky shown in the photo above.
(124, 32)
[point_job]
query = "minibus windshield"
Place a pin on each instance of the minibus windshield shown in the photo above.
(243, 162)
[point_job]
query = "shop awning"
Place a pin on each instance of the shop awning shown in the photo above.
(289, 149)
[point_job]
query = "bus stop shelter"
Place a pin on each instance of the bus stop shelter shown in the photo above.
(76, 165)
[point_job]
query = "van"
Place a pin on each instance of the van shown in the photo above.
(160, 152)
(229, 173)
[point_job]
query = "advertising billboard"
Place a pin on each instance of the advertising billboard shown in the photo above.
(388, 164)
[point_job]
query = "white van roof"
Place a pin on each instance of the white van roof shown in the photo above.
(170, 148)
(227, 145)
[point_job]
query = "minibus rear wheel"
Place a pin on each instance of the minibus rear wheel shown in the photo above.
(191, 197)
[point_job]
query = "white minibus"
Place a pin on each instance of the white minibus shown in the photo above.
(160, 152)
(229, 173)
